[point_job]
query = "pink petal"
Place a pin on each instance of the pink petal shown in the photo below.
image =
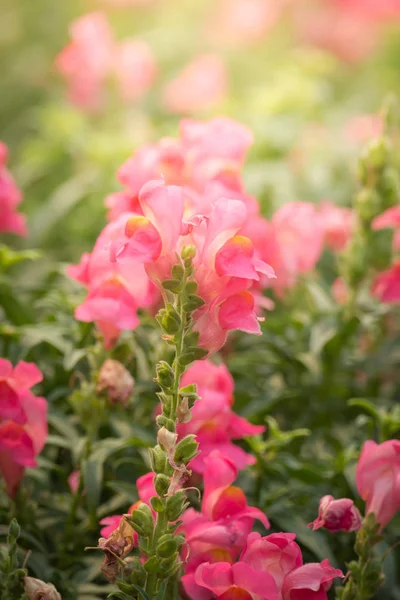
(26, 375)
(237, 312)
(217, 577)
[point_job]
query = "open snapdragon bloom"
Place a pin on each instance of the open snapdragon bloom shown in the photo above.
(115, 291)
(213, 420)
(226, 264)
(10, 197)
(23, 421)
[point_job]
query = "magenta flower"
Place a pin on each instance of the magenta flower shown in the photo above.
(23, 421)
(135, 68)
(337, 223)
(378, 479)
(386, 285)
(337, 515)
(213, 421)
(10, 197)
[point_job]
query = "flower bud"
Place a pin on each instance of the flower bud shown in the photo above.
(152, 565)
(165, 375)
(188, 252)
(14, 531)
(337, 515)
(138, 574)
(161, 484)
(116, 381)
(35, 589)
(186, 449)
(157, 504)
(166, 546)
(167, 439)
(157, 459)
(175, 505)
(141, 520)
(177, 272)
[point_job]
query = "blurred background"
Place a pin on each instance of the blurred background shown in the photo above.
(84, 83)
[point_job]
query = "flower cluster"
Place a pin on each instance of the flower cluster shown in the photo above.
(10, 196)
(212, 419)
(23, 422)
(93, 56)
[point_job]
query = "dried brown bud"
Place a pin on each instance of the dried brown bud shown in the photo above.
(35, 589)
(183, 411)
(118, 545)
(167, 439)
(116, 381)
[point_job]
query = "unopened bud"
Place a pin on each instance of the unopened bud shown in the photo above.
(35, 589)
(165, 375)
(161, 484)
(175, 505)
(188, 252)
(167, 439)
(337, 515)
(157, 504)
(116, 381)
(152, 565)
(166, 546)
(186, 449)
(138, 574)
(141, 520)
(157, 459)
(14, 531)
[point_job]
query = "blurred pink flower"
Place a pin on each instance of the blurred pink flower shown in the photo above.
(23, 421)
(201, 85)
(293, 243)
(363, 128)
(378, 479)
(386, 285)
(389, 219)
(87, 60)
(244, 21)
(337, 223)
(135, 68)
(337, 515)
(10, 197)
(340, 291)
(213, 421)
(74, 481)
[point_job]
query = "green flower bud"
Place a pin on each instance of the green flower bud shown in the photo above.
(165, 375)
(14, 531)
(191, 287)
(169, 563)
(157, 504)
(180, 540)
(368, 204)
(186, 449)
(157, 459)
(152, 565)
(166, 547)
(170, 325)
(142, 521)
(175, 505)
(189, 391)
(138, 574)
(188, 252)
(161, 483)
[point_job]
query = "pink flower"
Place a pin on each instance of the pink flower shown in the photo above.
(337, 224)
(245, 21)
(74, 481)
(10, 197)
(386, 286)
(225, 519)
(201, 85)
(236, 581)
(337, 515)
(87, 60)
(294, 242)
(389, 219)
(311, 581)
(115, 291)
(135, 68)
(363, 128)
(226, 264)
(279, 555)
(23, 422)
(378, 479)
(213, 421)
